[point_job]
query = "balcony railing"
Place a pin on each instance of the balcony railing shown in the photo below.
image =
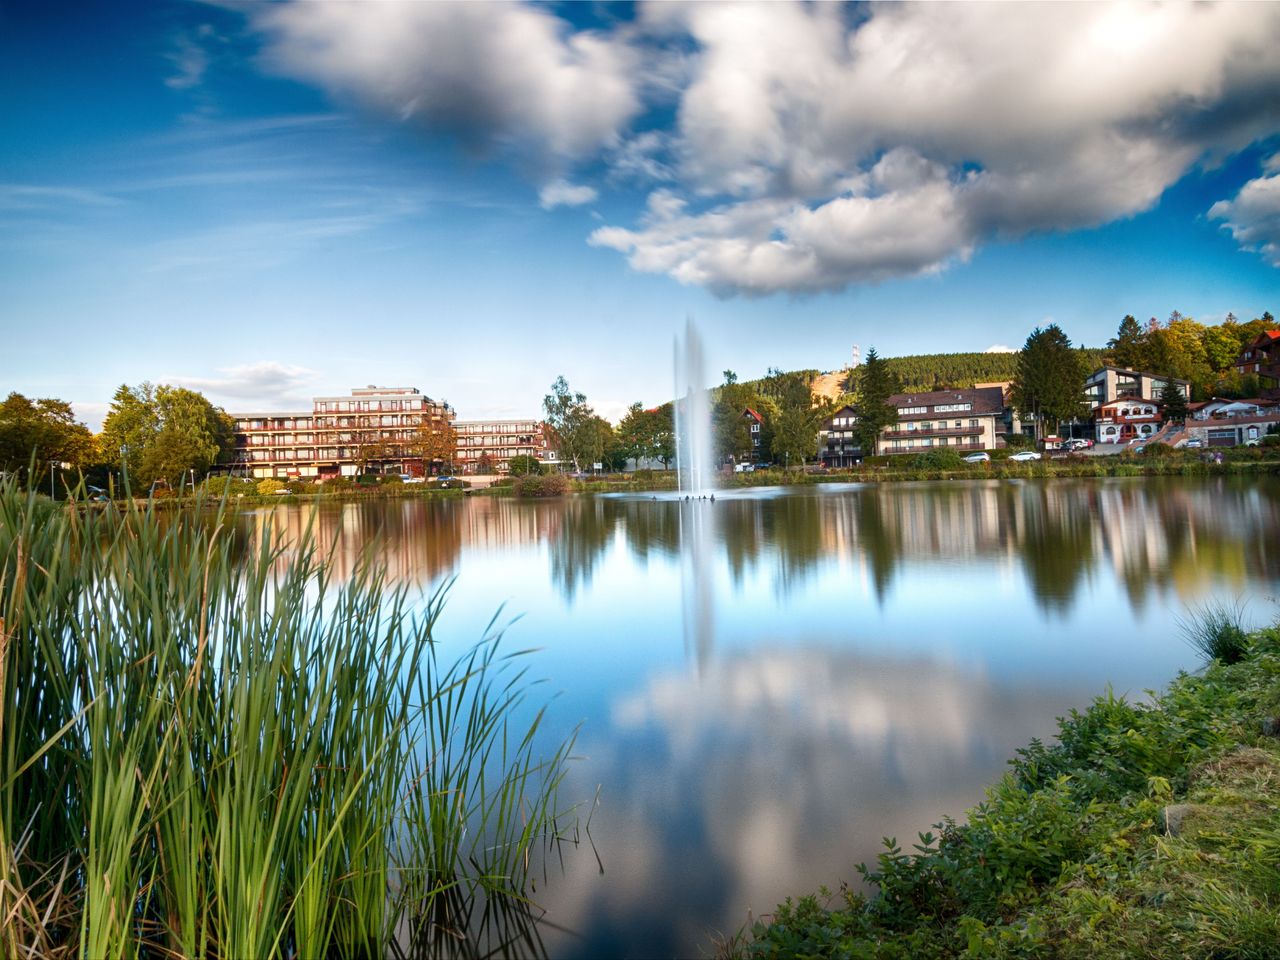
(934, 432)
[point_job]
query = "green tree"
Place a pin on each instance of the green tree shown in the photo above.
(1128, 347)
(45, 429)
(1050, 381)
(524, 465)
(163, 432)
(1174, 404)
(876, 383)
(571, 424)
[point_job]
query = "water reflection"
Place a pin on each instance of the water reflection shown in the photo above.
(770, 774)
(769, 683)
(1140, 532)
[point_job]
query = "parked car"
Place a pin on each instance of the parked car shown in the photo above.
(1194, 444)
(1025, 455)
(1079, 443)
(977, 458)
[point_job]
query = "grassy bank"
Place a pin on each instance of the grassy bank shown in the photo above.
(1146, 831)
(208, 747)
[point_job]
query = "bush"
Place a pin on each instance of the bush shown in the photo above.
(941, 459)
(268, 486)
(548, 485)
(392, 479)
(1158, 450)
(1019, 441)
(1271, 440)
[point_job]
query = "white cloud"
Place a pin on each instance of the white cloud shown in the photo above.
(1000, 348)
(491, 74)
(267, 384)
(1253, 217)
(808, 149)
(562, 193)
(190, 59)
(833, 155)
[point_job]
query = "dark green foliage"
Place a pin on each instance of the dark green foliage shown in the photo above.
(1127, 347)
(1050, 380)
(876, 383)
(1158, 450)
(1173, 403)
(42, 430)
(941, 458)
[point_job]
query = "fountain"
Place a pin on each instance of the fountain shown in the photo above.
(695, 462)
(696, 469)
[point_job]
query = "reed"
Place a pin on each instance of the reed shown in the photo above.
(212, 749)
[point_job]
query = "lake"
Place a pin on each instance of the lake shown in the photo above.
(770, 683)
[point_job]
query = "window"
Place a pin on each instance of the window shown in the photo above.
(952, 407)
(908, 411)
(973, 423)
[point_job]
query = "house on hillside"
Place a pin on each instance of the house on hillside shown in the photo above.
(1261, 358)
(754, 424)
(964, 420)
(836, 446)
(1126, 419)
(1107, 384)
(1220, 409)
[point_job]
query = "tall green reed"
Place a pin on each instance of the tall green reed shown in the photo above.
(211, 748)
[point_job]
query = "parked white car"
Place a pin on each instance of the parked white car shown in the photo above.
(977, 458)
(1025, 455)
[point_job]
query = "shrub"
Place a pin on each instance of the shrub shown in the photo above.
(269, 486)
(1271, 440)
(941, 459)
(548, 485)
(1158, 450)
(392, 479)
(1019, 441)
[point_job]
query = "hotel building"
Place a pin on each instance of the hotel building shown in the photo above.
(957, 419)
(499, 441)
(373, 430)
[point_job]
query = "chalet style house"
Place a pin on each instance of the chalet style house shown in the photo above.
(1126, 419)
(964, 420)
(1117, 383)
(1261, 358)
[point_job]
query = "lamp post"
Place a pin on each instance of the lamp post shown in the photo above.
(53, 465)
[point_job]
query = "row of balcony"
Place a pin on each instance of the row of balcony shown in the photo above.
(934, 432)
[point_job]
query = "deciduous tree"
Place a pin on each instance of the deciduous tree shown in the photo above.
(569, 420)
(45, 429)
(163, 432)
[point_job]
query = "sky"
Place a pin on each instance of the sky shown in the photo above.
(270, 202)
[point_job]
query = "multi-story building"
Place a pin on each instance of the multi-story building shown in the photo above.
(1261, 358)
(955, 419)
(836, 446)
(499, 441)
(373, 430)
(1117, 383)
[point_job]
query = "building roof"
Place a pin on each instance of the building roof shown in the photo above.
(1129, 402)
(985, 401)
(755, 416)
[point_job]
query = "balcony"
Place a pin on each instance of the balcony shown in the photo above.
(934, 432)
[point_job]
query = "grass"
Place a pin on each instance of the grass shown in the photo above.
(209, 748)
(1216, 631)
(1069, 856)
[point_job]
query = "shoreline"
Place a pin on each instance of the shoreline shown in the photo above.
(1145, 830)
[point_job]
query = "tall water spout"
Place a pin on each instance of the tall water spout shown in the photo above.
(695, 464)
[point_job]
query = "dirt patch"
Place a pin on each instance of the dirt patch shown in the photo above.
(1242, 763)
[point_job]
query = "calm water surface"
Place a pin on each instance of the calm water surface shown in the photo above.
(770, 683)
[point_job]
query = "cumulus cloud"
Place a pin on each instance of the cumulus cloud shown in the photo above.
(562, 193)
(266, 383)
(1000, 348)
(1253, 217)
(491, 74)
(808, 148)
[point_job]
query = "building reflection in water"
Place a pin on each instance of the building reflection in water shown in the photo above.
(857, 661)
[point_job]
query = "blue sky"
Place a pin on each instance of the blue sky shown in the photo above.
(271, 202)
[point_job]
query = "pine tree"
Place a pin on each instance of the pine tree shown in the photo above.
(876, 384)
(1050, 382)
(1128, 347)
(1173, 402)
